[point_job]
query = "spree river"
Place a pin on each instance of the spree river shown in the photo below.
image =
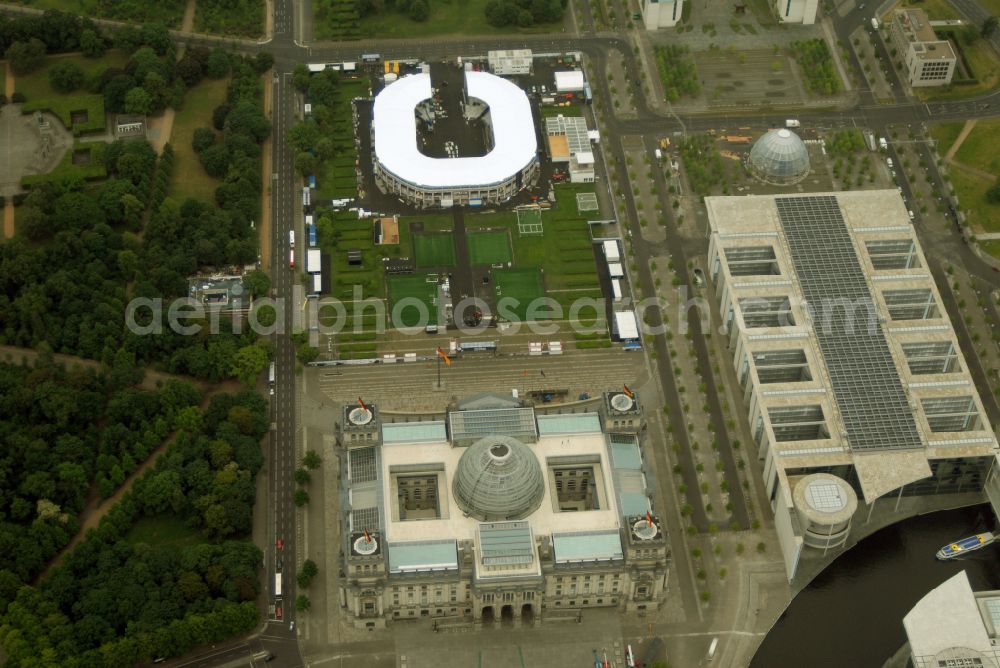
(851, 614)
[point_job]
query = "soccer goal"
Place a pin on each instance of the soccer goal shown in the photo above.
(529, 220)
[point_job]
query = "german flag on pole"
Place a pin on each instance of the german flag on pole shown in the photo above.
(368, 536)
(649, 519)
(442, 355)
(362, 403)
(628, 391)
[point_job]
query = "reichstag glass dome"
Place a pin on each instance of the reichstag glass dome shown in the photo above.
(779, 158)
(498, 478)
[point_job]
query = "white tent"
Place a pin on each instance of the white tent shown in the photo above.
(571, 81)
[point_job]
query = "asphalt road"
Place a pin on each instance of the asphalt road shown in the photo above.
(282, 457)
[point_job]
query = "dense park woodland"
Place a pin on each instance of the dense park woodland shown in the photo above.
(170, 565)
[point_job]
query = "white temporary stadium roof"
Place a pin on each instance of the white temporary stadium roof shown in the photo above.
(394, 125)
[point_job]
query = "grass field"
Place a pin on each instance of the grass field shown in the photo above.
(163, 530)
(489, 247)
(189, 178)
(971, 191)
(991, 247)
(945, 135)
(434, 250)
(410, 287)
(447, 17)
(168, 12)
(66, 106)
(522, 285)
(35, 86)
(564, 249)
(226, 17)
(551, 110)
(979, 152)
(94, 169)
(336, 178)
(980, 148)
(936, 9)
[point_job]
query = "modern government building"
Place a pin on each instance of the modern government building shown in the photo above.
(851, 373)
(510, 164)
(490, 510)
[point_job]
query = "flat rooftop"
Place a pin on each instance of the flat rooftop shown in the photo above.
(848, 344)
(920, 33)
(454, 525)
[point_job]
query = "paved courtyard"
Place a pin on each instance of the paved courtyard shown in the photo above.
(21, 144)
(413, 386)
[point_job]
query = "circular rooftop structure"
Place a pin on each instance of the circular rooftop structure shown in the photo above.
(779, 158)
(498, 478)
(365, 546)
(622, 402)
(824, 499)
(360, 416)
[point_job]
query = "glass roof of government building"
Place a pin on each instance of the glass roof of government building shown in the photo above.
(516, 422)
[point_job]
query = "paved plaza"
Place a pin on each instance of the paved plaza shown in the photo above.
(413, 386)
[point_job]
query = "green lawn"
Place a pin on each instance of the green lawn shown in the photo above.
(168, 12)
(936, 9)
(163, 530)
(336, 178)
(551, 110)
(447, 17)
(564, 249)
(413, 287)
(189, 178)
(66, 169)
(971, 191)
(991, 247)
(434, 250)
(36, 86)
(977, 151)
(89, 110)
(980, 148)
(489, 247)
(945, 135)
(519, 288)
(244, 18)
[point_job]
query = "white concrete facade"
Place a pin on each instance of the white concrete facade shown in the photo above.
(796, 11)
(793, 411)
(929, 61)
(954, 626)
(662, 13)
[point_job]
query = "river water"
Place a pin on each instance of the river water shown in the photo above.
(851, 614)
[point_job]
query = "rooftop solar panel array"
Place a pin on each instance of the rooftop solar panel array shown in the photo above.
(866, 383)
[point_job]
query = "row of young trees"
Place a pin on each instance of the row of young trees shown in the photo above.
(118, 602)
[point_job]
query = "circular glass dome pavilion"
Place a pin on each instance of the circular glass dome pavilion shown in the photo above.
(498, 478)
(779, 158)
